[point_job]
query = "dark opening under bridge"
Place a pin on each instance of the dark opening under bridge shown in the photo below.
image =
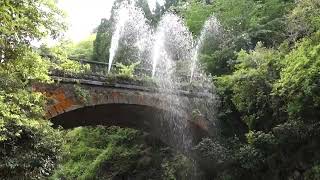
(90, 100)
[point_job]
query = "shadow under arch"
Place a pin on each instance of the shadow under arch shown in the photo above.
(157, 122)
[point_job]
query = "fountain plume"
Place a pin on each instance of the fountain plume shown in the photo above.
(131, 30)
(165, 50)
(211, 29)
(122, 17)
(172, 44)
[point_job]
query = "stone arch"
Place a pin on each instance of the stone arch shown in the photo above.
(72, 105)
(66, 97)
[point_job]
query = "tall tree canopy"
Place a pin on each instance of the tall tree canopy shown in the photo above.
(269, 111)
(102, 42)
(24, 21)
(29, 147)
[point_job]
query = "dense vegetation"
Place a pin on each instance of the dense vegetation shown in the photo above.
(119, 153)
(266, 63)
(29, 147)
(267, 69)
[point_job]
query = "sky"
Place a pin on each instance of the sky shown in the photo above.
(84, 15)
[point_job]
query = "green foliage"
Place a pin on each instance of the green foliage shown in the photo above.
(82, 49)
(218, 61)
(177, 167)
(82, 94)
(212, 150)
(101, 44)
(249, 158)
(270, 102)
(29, 146)
(195, 14)
(299, 83)
(59, 58)
(304, 19)
(108, 153)
(268, 119)
(127, 71)
(243, 24)
(23, 21)
(92, 147)
(274, 92)
(251, 84)
(313, 173)
(269, 88)
(252, 21)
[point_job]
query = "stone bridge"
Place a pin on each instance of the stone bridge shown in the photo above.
(87, 101)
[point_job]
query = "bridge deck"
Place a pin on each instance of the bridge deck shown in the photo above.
(147, 85)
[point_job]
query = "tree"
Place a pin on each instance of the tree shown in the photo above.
(29, 147)
(195, 15)
(276, 94)
(243, 24)
(119, 153)
(304, 19)
(102, 42)
(299, 81)
(105, 30)
(254, 21)
(268, 119)
(24, 21)
(82, 49)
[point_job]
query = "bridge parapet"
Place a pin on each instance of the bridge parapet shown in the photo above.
(136, 82)
(101, 68)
